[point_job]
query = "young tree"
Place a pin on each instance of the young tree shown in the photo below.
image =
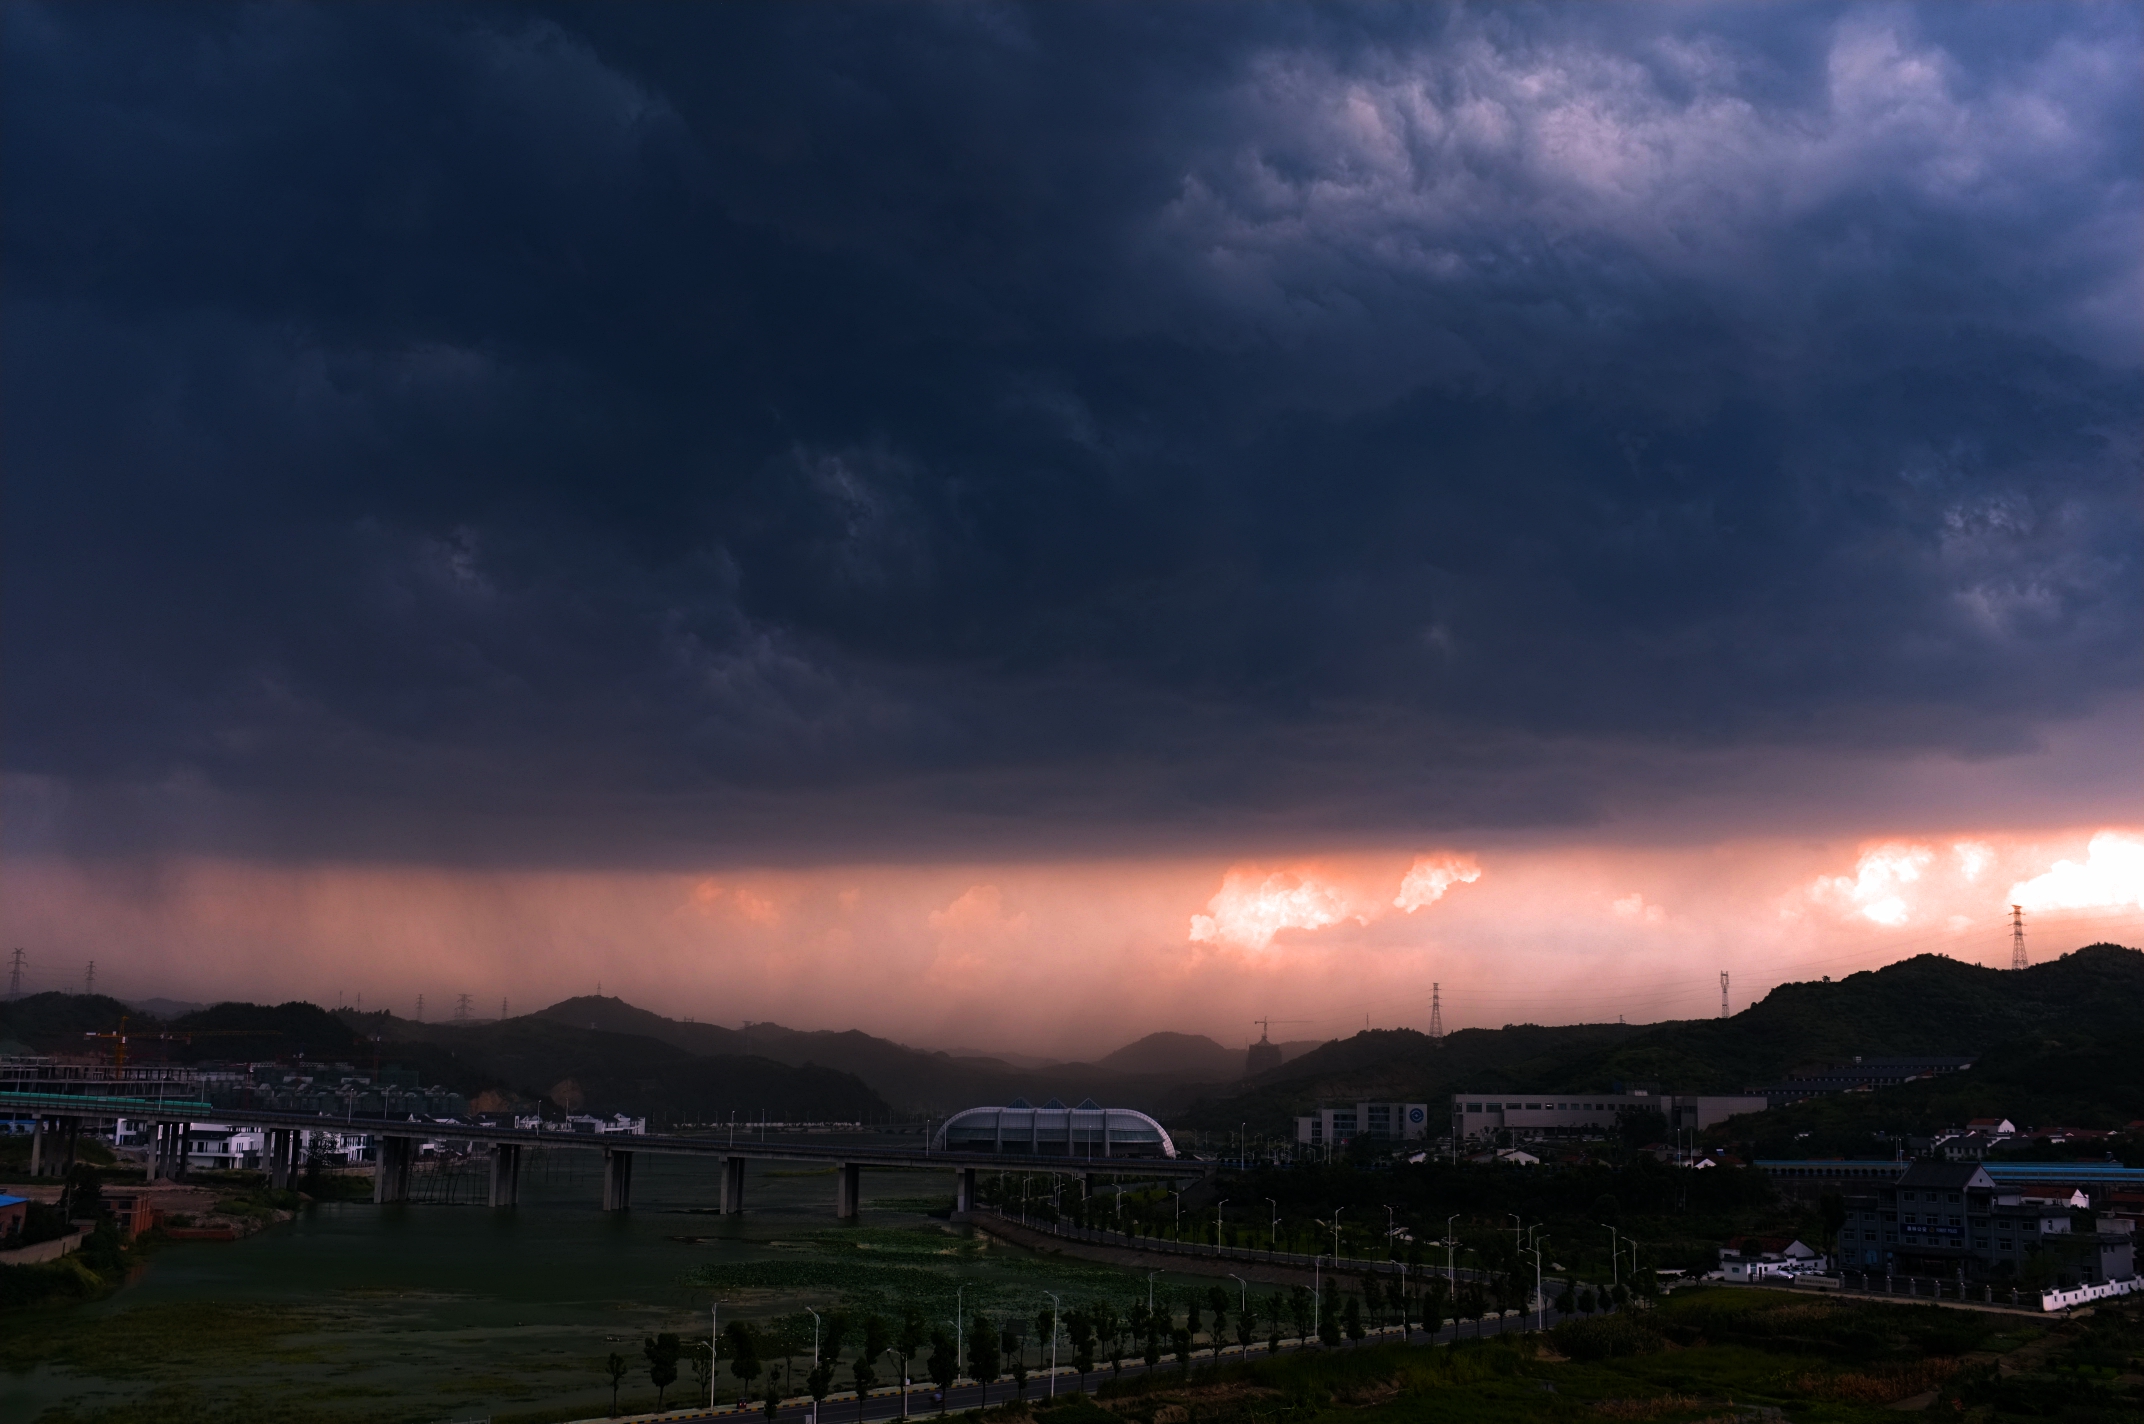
(1301, 1307)
(615, 1368)
(1217, 1302)
(703, 1369)
(1433, 1309)
(662, 1351)
(1152, 1353)
(945, 1364)
(1182, 1341)
(1045, 1335)
(1329, 1326)
(1585, 1301)
(865, 1373)
(1016, 1351)
(1355, 1328)
(744, 1356)
(909, 1342)
(772, 1404)
(1567, 1303)
(1247, 1326)
(1191, 1313)
(983, 1362)
(1079, 1328)
(820, 1382)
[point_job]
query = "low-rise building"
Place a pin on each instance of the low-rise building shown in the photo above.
(1753, 1258)
(1380, 1122)
(1952, 1219)
(1478, 1117)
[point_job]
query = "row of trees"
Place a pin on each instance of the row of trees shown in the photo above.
(1085, 1337)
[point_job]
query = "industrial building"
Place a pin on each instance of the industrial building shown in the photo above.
(1377, 1122)
(1054, 1130)
(1859, 1075)
(1953, 1219)
(1478, 1117)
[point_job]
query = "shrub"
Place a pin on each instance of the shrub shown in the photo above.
(1609, 1337)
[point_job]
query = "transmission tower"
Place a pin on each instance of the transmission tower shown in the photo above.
(461, 1008)
(1436, 1011)
(1723, 993)
(89, 978)
(2017, 936)
(14, 975)
(502, 1009)
(420, 1008)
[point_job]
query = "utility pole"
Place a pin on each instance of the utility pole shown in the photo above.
(14, 975)
(1436, 1011)
(1723, 993)
(2017, 937)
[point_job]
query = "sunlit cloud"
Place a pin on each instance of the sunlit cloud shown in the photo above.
(1428, 879)
(1973, 857)
(1249, 909)
(2112, 874)
(1880, 889)
(1634, 907)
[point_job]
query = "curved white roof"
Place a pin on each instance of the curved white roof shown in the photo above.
(1054, 1130)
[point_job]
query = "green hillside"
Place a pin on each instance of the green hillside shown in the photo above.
(2058, 1040)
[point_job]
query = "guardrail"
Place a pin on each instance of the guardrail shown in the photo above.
(2017, 1297)
(1251, 1254)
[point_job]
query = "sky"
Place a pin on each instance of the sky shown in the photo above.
(1016, 526)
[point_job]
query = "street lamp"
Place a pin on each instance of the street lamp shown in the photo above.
(714, 1347)
(1055, 1306)
(1540, 1305)
(1615, 1259)
(1217, 1222)
(1517, 1223)
(1179, 1213)
(960, 1332)
(1273, 1240)
(1449, 1274)
(1336, 1236)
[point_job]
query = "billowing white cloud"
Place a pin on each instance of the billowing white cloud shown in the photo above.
(1249, 909)
(1428, 879)
(2112, 874)
(1878, 890)
(1973, 857)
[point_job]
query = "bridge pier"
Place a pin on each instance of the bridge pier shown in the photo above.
(52, 1145)
(390, 1174)
(167, 1151)
(617, 1179)
(963, 1193)
(732, 1186)
(848, 1191)
(505, 1174)
(282, 1157)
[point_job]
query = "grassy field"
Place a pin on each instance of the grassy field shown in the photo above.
(1705, 1355)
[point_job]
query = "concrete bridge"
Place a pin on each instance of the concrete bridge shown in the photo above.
(59, 1118)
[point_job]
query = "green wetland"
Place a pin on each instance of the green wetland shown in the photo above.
(353, 1312)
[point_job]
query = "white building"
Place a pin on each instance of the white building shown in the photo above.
(1477, 1117)
(1381, 1122)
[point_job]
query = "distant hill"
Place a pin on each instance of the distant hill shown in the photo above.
(601, 1070)
(920, 1082)
(1190, 1055)
(2084, 1002)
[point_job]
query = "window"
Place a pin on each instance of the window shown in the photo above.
(1890, 1236)
(1473, 1107)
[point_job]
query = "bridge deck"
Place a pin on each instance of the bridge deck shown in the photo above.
(78, 1105)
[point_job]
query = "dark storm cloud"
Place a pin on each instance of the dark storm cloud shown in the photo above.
(617, 430)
